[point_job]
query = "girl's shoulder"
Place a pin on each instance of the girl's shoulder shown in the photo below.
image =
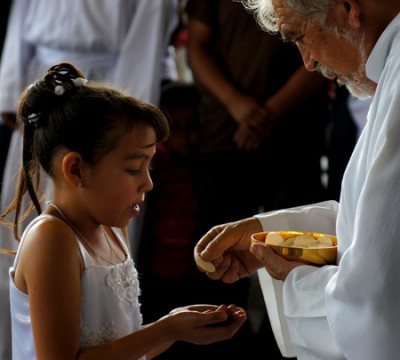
(49, 229)
(50, 236)
(47, 246)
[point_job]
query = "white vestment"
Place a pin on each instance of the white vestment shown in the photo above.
(349, 311)
(122, 42)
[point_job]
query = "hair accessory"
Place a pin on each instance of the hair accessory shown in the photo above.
(33, 118)
(63, 78)
(67, 84)
(79, 82)
(59, 90)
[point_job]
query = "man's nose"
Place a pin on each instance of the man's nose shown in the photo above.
(308, 59)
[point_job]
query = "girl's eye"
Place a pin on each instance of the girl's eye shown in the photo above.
(132, 171)
(138, 171)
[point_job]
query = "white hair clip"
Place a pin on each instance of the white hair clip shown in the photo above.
(79, 82)
(33, 118)
(59, 90)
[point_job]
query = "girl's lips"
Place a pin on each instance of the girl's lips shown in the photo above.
(135, 209)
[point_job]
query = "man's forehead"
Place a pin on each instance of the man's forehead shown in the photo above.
(278, 4)
(287, 18)
(283, 11)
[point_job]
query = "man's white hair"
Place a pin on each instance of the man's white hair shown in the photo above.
(267, 17)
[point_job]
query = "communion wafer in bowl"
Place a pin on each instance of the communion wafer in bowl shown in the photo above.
(317, 254)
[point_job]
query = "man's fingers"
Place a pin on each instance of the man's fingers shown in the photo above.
(206, 266)
(277, 266)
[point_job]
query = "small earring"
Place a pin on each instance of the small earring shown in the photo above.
(79, 184)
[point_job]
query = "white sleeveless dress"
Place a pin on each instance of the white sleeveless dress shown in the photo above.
(110, 307)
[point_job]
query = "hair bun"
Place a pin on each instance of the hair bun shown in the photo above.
(63, 77)
(46, 94)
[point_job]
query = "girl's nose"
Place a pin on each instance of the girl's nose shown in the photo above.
(147, 184)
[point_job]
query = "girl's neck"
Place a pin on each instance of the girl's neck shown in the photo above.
(97, 241)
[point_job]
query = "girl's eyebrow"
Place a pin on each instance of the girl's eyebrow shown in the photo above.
(139, 154)
(136, 156)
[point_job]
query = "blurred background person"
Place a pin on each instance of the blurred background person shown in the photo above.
(122, 42)
(259, 107)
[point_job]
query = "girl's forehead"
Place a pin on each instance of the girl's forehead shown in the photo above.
(140, 136)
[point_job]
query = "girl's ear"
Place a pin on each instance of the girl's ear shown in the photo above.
(72, 168)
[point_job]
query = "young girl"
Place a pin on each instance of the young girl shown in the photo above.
(73, 287)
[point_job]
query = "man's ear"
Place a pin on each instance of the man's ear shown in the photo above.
(72, 168)
(352, 10)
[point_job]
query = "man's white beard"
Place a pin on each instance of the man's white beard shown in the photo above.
(358, 84)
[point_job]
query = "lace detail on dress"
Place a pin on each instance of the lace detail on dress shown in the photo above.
(124, 283)
(106, 334)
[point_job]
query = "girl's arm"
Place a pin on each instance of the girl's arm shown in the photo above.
(198, 324)
(50, 269)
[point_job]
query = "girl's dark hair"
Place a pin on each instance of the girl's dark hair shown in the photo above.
(63, 110)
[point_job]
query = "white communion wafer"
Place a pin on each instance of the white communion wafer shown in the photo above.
(304, 241)
(288, 242)
(205, 265)
(274, 238)
(326, 240)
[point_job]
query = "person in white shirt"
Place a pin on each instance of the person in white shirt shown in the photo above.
(348, 310)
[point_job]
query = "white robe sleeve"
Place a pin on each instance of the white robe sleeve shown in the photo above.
(302, 297)
(138, 69)
(319, 217)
